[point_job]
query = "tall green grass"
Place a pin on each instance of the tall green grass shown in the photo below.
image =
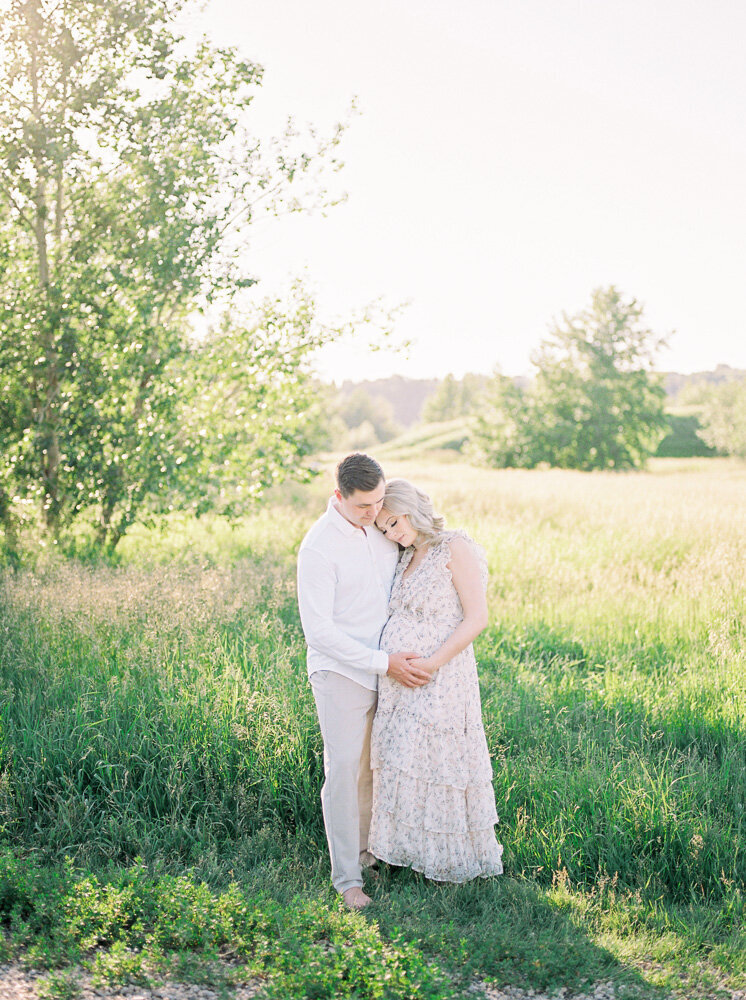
(154, 714)
(158, 708)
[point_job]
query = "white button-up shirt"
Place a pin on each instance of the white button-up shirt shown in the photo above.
(344, 581)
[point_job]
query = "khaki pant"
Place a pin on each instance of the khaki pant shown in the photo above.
(346, 711)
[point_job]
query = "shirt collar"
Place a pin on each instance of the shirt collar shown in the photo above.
(340, 522)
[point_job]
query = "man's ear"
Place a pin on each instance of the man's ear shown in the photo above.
(337, 494)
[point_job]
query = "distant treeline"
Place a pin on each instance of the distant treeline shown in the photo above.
(407, 396)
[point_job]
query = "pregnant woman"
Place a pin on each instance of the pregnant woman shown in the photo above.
(433, 802)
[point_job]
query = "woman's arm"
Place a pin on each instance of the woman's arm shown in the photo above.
(467, 579)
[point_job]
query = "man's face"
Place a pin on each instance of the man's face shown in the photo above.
(359, 508)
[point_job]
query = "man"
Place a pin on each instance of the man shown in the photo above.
(345, 571)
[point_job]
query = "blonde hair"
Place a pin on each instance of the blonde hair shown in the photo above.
(402, 497)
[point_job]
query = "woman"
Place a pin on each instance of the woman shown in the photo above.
(433, 803)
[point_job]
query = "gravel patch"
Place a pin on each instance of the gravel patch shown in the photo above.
(599, 991)
(17, 983)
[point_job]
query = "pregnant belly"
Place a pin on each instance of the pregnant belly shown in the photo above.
(402, 633)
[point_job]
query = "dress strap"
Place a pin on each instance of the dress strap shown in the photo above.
(442, 552)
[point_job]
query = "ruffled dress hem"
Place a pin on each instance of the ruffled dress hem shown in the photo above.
(485, 854)
(448, 832)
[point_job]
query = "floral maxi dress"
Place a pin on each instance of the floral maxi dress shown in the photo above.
(433, 802)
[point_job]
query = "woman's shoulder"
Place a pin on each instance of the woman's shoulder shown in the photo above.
(455, 540)
(457, 546)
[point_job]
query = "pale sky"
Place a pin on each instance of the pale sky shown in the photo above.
(508, 158)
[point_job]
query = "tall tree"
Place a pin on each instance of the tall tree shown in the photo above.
(503, 432)
(128, 177)
(235, 414)
(595, 402)
(376, 412)
(446, 402)
(455, 398)
(724, 417)
(598, 404)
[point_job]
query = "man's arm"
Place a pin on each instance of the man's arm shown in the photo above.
(316, 584)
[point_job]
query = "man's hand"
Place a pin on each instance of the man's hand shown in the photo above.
(401, 670)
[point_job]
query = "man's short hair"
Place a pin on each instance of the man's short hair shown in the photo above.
(358, 472)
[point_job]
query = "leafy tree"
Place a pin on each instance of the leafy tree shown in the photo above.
(683, 438)
(724, 418)
(502, 433)
(454, 398)
(598, 404)
(128, 177)
(595, 402)
(361, 438)
(445, 403)
(239, 413)
(376, 413)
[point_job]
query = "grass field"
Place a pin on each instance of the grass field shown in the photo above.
(160, 760)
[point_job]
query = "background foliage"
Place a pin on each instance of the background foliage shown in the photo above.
(130, 178)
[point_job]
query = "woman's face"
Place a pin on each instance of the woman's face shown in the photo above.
(396, 527)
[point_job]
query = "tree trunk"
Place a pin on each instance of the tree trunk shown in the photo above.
(46, 404)
(8, 525)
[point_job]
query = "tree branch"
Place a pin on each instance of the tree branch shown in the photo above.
(21, 214)
(18, 101)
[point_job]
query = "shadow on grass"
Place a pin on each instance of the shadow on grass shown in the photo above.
(501, 930)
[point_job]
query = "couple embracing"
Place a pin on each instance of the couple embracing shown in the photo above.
(390, 602)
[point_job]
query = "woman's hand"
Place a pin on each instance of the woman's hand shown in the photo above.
(403, 668)
(424, 663)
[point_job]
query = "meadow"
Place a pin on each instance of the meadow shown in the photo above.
(160, 761)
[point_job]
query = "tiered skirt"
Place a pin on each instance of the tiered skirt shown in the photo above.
(433, 801)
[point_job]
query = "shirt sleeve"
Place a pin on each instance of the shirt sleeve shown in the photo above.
(316, 585)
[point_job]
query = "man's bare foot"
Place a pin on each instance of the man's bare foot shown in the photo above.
(355, 898)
